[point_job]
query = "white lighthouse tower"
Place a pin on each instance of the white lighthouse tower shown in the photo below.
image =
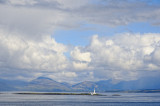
(93, 93)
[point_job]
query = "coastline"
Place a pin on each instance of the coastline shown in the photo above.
(38, 93)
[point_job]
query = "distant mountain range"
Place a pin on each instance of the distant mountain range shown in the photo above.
(45, 84)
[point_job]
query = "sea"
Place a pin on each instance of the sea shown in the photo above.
(107, 99)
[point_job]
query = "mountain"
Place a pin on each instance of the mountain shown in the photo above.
(107, 85)
(140, 84)
(10, 85)
(84, 86)
(103, 85)
(66, 84)
(45, 84)
(5, 87)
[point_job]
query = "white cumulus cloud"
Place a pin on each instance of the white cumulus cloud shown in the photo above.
(80, 56)
(19, 53)
(124, 56)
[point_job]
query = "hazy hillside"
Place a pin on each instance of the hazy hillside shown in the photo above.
(45, 84)
(49, 85)
(84, 86)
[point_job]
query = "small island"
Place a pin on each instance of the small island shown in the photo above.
(59, 93)
(56, 93)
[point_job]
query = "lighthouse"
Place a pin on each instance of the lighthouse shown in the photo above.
(93, 93)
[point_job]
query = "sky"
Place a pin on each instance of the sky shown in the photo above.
(79, 40)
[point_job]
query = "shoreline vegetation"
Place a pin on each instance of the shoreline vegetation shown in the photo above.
(135, 91)
(38, 93)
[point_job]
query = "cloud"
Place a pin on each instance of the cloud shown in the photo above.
(155, 58)
(124, 56)
(72, 4)
(79, 56)
(61, 4)
(30, 23)
(80, 59)
(69, 74)
(22, 2)
(80, 65)
(36, 18)
(25, 43)
(123, 12)
(18, 53)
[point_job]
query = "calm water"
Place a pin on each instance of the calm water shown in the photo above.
(126, 99)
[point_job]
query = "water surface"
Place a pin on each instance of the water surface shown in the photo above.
(126, 99)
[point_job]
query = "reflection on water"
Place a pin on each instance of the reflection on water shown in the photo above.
(126, 99)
